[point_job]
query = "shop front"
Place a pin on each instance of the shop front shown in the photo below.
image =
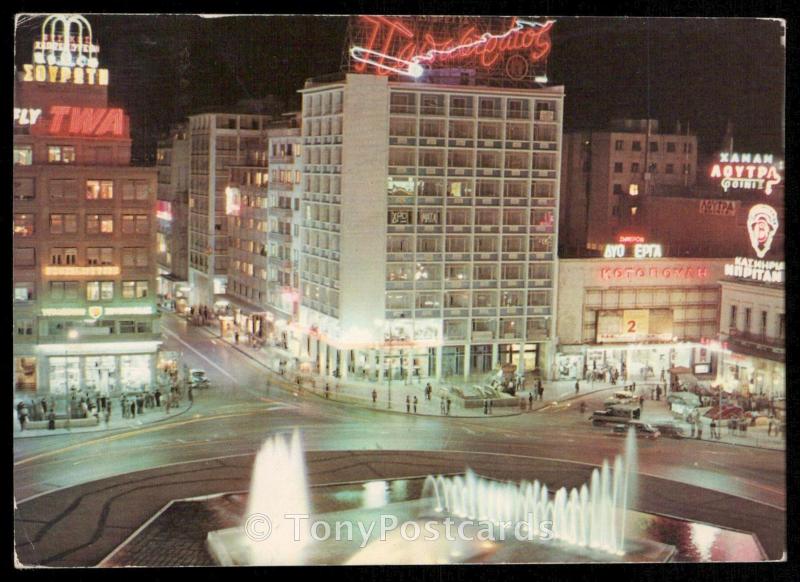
(753, 375)
(25, 374)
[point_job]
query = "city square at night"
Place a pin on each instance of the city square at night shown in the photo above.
(398, 290)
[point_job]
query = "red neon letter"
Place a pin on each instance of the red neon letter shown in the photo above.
(58, 112)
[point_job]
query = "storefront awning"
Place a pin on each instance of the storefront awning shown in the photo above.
(245, 307)
(173, 277)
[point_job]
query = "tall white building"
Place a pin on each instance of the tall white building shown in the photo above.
(429, 227)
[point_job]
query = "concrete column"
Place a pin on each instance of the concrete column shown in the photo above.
(343, 363)
(380, 365)
(467, 357)
(495, 355)
(322, 358)
(438, 363)
(331, 360)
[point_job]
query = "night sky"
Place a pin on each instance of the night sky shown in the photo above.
(700, 70)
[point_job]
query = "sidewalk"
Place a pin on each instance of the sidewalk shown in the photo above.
(358, 392)
(655, 411)
(151, 416)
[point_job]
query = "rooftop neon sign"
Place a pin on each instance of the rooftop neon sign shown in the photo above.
(391, 47)
(747, 171)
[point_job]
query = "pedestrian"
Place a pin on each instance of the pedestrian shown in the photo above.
(699, 431)
(442, 406)
(168, 404)
(769, 428)
(22, 414)
(641, 401)
(713, 428)
(374, 396)
(327, 391)
(491, 401)
(236, 336)
(583, 407)
(577, 387)
(485, 406)
(634, 388)
(133, 408)
(658, 392)
(539, 389)
(428, 391)
(408, 404)
(158, 398)
(139, 404)
(692, 425)
(190, 393)
(530, 400)
(44, 406)
(51, 420)
(107, 416)
(124, 405)
(448, 406)
(415, 404)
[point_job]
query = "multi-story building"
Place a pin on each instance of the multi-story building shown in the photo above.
(285, 220)
(218, 141)
(429, 227)
(84, 228)
(609, 174)
(172, 254)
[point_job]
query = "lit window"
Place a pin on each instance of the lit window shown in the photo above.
(23, 224)
(60, 154)
(633, 210)
(633, 190)
(99, 189)
(23, 155)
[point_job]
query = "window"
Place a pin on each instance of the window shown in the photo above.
(763, 323)
(99, 189)
(134, 289)
(671, 147)
(24, 189)
(23, 292)
(670, 169)
(457, 244)
(99, 290)
(63, 223)
(23, 155)
(653, 146)
(636, 146)
(63, 290)
(60, 154)
(99, 224)
(63, 256)
(127, 326)
(24, 327)
(63, 189)
(732, 323)
(633, 190)
(781, 326)
(135, 224)
(135, 190)
(135, 257)
(99, 256)
(619, 145)
(23, 224)
(618, 189)
(617, 167)
(747, 313)
(24, 257)
(635, 168)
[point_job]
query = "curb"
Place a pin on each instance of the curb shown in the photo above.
(68, 432)
(288, 387)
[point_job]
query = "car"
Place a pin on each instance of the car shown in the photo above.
(613, 414)
(727, 411)
(670, 429)
(198, 378)
(620, 397)
(643, 430)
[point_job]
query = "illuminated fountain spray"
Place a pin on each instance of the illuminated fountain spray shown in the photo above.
(278, 487)
(591, 516)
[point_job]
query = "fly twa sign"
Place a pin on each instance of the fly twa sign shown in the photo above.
(67, 121)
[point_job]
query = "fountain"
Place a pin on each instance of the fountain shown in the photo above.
(583, 523)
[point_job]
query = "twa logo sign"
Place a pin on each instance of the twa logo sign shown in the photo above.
(84, 122)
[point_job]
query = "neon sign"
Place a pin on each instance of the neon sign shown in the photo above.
(164, 210)
(84, 121)
(747, 171)
(762, 224)
(25, 117)
(640, 251)
(630, 238)
(65, 53)
(756, 270)
(390, 46)
(110, 270)
(632, 273)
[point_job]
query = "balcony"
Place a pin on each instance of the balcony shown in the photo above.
(760, 345)
(484, 311)
(456, 312)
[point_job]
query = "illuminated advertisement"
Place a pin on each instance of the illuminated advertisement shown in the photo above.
(737, 171)
(762, 224)
(93, 271)
(164, 210)
(233, 201)
(638, 250)
(24, 117)
(634, 325)
(65, 53)
(67, 121)
(719, 207)
(410, 46)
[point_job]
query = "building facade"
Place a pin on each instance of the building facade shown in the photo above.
(429, 228)
(607, 175)
(172, 214)
(84, 226)
(637, 316)
(218, 141)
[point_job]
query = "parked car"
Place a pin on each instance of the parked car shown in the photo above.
(198, 379)
(643, 429)
(670, 429)
(620, 397)
(614, 414)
